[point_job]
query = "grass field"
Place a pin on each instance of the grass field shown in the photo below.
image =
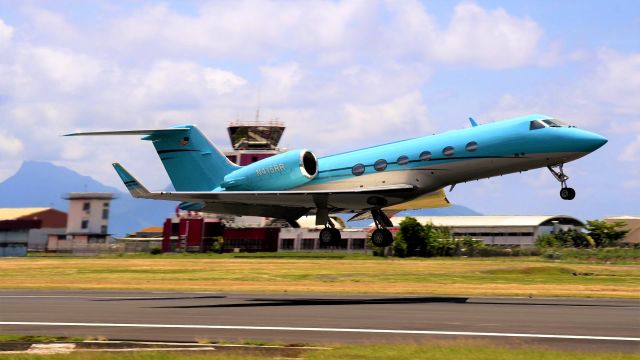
(519, 276)
(435, 351)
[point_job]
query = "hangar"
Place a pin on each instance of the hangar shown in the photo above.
(22, 228)
(631, 224)
(519, 230)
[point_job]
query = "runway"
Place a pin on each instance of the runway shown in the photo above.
(582, 324)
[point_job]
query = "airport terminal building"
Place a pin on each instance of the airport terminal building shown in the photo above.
(509, 230)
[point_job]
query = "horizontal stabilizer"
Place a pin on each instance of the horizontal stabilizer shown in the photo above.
(131, 132)
(133, 185)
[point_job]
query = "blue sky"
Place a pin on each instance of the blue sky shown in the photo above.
(340, 74)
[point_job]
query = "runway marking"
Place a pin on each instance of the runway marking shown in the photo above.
(346, 330)
(72, 297)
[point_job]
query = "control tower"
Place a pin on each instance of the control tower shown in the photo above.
(254, 140)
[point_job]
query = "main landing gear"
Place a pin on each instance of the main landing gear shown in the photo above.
(381, 237)
(330, 236)
(566, 193)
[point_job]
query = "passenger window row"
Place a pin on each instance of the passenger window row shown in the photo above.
(381, 164)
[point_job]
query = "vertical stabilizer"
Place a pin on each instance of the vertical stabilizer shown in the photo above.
(192, 162)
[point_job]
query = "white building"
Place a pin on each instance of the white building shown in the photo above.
(87, 223)
(500, 230)
(306, 239)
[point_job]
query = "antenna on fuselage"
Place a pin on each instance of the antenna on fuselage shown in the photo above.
(473, 122)
(258, 107)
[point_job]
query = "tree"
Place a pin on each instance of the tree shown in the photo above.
(574, 238)
(413, 235)
(605, 234)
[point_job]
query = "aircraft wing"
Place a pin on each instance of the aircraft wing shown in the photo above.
(282, 204)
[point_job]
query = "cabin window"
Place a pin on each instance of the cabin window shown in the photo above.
(425, 156)
(357, 169)
(403, 160)
(380, 165)
(535, 125)
(448, 151)
(471, 146)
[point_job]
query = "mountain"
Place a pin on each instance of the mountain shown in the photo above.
(453, 210)
(42, 184)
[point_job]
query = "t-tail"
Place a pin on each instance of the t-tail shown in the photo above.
(192, 162)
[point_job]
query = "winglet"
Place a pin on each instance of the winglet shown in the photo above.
(473, 122)
(136, 189)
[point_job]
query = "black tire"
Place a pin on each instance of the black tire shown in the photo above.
(326, 237)
(567, 193)
(381, 238)
(335, 236)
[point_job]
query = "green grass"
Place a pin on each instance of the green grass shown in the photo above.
(36, 338)
(436, 350)
(521, 276)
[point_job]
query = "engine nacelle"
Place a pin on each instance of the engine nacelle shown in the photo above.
(279, 172)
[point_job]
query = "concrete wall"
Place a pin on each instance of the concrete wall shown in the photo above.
(307, 240)
(14, 242)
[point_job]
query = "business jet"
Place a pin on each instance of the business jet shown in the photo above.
(370, 182)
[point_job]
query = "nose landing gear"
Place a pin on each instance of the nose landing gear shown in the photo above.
(566, 193)
(381, 237)
(330, 236)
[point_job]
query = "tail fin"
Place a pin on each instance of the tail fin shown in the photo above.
(135, 187)
(192, 162)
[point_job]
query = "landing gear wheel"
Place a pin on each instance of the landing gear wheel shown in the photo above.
(335, 236)
(381, 238)
(567, 193)
(329, 237)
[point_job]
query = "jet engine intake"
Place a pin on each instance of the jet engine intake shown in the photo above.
(279, 172)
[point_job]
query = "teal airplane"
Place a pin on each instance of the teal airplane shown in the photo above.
(370, 182)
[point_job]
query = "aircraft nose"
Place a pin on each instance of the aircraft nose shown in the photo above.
(589, 141)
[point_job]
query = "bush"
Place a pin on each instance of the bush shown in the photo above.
(399, 246)
(470, 246)
(156, 250)
(552, 255)
(547, 241)
(218, 245)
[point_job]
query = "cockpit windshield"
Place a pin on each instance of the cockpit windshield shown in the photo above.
(554, 123)
(536, 124)
(541, 124)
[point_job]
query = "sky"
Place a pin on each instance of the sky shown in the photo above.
(340, 74)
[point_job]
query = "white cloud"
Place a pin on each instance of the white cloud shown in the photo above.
(6, 33)
(474, 36)
(41, 71)
(9, 145)
(242, 29)
(221, 81)
(617, 81)
(329, 69)
(170, 84)
(278, 81)
(631, 152)
(403, 116)
(493, 39)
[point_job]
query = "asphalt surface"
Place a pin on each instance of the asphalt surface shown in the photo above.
(574, 324)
